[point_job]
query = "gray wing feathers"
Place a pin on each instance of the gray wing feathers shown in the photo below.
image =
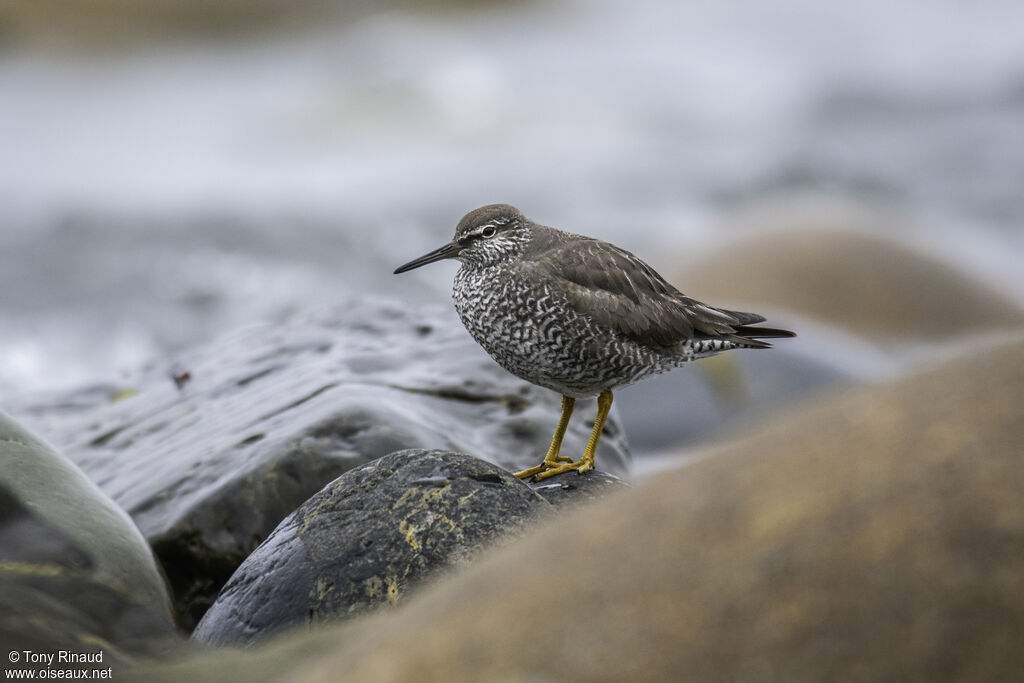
(622, 292)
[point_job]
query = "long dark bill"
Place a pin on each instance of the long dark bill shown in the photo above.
(450, 250)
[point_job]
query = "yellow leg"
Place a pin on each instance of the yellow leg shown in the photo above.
(604, 404)
(553, 458)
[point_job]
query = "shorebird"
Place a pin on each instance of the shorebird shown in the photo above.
(577, 315)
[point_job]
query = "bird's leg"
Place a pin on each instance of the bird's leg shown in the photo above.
(553, 458)
(604, 404)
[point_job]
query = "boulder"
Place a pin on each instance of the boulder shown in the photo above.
(699, 400)
(874, 536)
(367, 539)
(571, 489)
(74, 569)
(210, 453)
(873, 286)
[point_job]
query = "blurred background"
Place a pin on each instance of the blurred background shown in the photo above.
(174, 170)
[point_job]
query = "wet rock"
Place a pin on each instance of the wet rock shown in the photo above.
(274, 412)
(571, 489)
(874, 536)
(74, 569)
(367, 539)
(875, 287)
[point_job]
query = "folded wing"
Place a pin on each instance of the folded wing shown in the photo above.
(620, 291)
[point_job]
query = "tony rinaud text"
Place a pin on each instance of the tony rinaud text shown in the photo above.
(62, 657)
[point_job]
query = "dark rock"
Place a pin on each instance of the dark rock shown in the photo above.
(367, 539)
(273, 413)
(572, 488)
(73, 567)
(875, 536)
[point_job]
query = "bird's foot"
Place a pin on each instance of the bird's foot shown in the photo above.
(546, 469)
(548, 463)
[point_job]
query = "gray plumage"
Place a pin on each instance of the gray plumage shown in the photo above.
(575, 314)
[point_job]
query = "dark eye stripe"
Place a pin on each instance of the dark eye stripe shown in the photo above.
(479, 234)
(493, 226)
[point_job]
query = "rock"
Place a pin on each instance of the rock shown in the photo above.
(698, 401)
(74, 569)
(366, 540)
(874, 536)
(571, 489)
(50, 598)
(875, 287)
(271, 414)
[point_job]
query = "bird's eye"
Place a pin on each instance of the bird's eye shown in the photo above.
(488, 231)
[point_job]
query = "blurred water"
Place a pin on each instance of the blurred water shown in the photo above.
(155, 198)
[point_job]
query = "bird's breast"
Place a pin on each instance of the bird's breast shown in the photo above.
(506, 315)
(533, 332)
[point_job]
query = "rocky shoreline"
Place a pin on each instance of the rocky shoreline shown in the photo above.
(287, 484)
(876, 536)
(271, 414)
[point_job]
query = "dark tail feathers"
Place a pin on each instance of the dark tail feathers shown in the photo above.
(751, 336)
(748, 335)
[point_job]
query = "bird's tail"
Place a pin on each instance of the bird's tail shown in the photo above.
(752, 332)
(749, 334)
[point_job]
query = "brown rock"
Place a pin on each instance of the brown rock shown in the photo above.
(869, 285)
(875, 537)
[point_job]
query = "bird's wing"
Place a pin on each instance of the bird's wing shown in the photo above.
(620, 291)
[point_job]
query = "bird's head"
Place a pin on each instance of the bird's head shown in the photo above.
(484, 237)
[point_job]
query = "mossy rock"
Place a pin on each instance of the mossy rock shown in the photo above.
(367, 539)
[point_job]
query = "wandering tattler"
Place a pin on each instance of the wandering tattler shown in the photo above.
(577, 315)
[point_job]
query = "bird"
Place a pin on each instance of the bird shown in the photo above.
(577, 315)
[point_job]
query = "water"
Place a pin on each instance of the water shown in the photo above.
(154, 198)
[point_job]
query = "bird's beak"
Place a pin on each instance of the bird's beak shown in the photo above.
(450, 250)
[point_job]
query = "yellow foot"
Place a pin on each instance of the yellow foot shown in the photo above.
(546, 465)
(581, 466)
